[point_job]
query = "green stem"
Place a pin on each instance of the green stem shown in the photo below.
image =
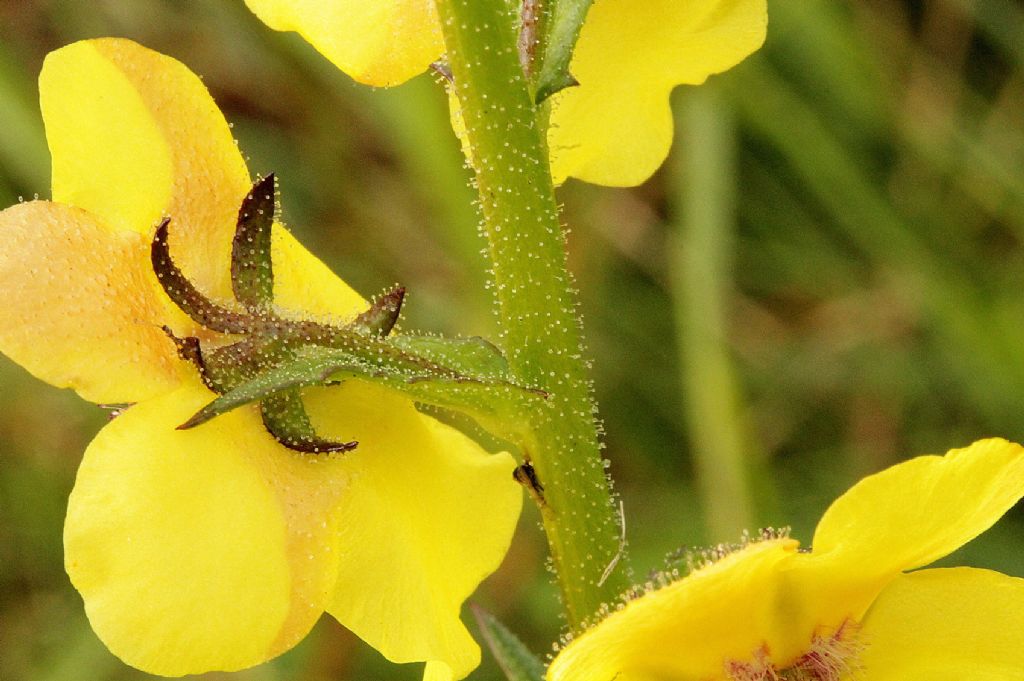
(701, 267)
(536, 300)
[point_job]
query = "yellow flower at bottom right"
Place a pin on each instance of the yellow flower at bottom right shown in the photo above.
(848, 608)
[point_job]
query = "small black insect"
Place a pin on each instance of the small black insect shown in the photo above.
(526, 475)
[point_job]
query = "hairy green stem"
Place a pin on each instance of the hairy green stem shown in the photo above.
(536, 300)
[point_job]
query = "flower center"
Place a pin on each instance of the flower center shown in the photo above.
(829, 658)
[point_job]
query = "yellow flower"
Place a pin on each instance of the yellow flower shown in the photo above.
(846, 609)
(218, 547)
(615, 128)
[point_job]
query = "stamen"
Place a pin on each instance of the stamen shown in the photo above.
(829, 658)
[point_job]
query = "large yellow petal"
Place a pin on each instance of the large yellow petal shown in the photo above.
(901, 518)
(377, 42)
(136, 136)
(305, 287)
(615, 128)
(959, 624)
(81, 308)
(691, 629)
(212, 548)
(918, 511)
(428, 515)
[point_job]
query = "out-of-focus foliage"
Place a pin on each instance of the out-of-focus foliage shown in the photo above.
(870, 288)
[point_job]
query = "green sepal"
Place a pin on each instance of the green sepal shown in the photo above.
(561, 30)
(499, 406)
(512, 655)
(284, 417)
(252, 270)
(474, 356)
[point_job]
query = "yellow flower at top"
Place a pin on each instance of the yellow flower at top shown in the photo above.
(615, 128)
(218, 547)
(846, 609)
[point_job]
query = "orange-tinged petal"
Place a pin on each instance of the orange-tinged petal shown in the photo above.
(135, 136)
(212, 548)
(377, 42)
(428, 515)
(689, 630)
(615, 128)
(959, 624)
(81, 307)
(918, 511)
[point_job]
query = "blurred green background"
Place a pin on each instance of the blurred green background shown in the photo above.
(826, 277)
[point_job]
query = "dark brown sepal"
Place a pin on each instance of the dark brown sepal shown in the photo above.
(185, 295)
(383, 313)
(285, 418)
(252, 270)
(189, 350)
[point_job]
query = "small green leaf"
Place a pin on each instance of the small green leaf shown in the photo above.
(562, 28)
(252, 272)
(296, 374)
(474, 356)
(514, 658)
(502, 408)
(499, 406)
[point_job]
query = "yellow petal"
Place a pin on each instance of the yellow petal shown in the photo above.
(616, 127)
(918, 511)
(205, 549)
(428, 515)
(959, 624)
(689, 630)
(377, 42)
(904, 517)
(135, 136)
(437, 671)
(304, 286)
(81, 307)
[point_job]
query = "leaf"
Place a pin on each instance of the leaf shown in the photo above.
(562, 29)
(296, 374)
(502, 408)
(474, 356)
(514, 658)
(499, 406)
